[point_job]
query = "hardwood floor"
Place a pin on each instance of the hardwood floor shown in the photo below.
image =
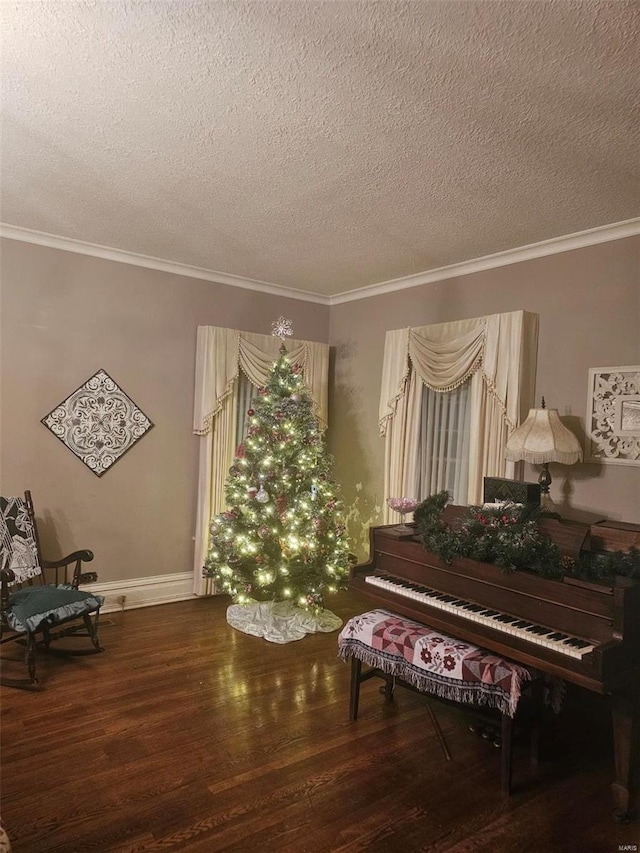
(189, 735)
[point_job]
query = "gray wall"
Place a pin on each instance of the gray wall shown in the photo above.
(64, 316)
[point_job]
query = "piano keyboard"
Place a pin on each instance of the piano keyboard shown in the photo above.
(574, 647)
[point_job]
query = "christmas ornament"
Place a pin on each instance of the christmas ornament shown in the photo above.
(285, 547)
(314, 492)
(296, 398)
(262, 496)
(282, 328)
(263, 531)
(252, 492)
(251, 412)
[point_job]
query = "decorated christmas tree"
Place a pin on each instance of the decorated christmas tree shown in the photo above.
(283, 535)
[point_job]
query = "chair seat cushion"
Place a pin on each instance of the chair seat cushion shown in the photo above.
(37, 607)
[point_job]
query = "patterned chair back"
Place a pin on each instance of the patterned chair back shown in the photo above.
(19, 548)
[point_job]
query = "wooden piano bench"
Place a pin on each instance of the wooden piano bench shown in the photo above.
(417, 657)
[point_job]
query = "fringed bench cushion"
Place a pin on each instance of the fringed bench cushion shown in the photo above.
(432, 661)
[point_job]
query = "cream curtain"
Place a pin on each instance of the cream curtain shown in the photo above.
(220, 356)
(497, 353)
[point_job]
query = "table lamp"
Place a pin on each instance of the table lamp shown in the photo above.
(543, 438)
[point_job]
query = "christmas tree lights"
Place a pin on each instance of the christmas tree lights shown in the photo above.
(283, 536)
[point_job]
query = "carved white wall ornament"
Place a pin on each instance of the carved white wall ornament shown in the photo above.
(613, 415)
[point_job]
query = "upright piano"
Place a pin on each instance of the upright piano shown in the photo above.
(585, 633)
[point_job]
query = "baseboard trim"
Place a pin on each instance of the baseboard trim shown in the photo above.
(144, 592)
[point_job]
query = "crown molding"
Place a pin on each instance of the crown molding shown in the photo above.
(79, 247)
(556, 245)
(580, 240)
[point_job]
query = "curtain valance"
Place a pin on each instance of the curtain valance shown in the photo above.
(445, 355)
(221, 353)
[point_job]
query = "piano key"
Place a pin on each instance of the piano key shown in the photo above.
(504, 622)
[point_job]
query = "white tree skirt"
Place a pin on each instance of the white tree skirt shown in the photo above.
(280, 621)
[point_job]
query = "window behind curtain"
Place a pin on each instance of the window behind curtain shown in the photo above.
(246, 392)
(443, 454)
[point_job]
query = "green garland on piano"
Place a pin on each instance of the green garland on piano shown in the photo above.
(509, 538)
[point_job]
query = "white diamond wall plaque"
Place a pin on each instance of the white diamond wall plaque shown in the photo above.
(99, 423)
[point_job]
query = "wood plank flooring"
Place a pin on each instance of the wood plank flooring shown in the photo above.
(188, 735)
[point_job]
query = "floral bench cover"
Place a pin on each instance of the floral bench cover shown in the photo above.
(434, 662)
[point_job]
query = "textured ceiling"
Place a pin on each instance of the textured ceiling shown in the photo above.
(320, 146)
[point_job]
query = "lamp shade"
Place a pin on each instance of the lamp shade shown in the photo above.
(543, 438)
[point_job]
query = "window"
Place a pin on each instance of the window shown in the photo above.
(443, 450)
(451, 394)
(246, 392)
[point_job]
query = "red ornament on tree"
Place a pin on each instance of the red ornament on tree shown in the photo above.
(251, 412)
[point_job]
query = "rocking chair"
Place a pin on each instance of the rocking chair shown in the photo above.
(33, 610)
